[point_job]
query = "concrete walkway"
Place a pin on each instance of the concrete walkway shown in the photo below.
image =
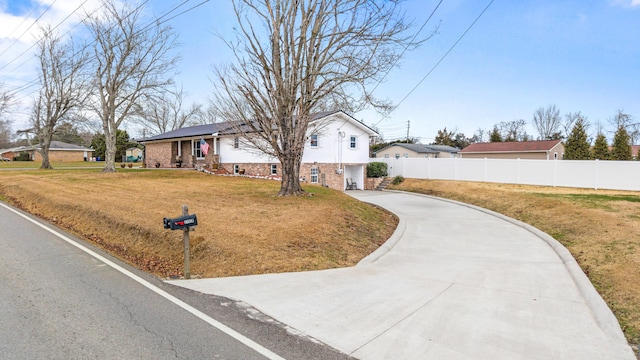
(453, 282)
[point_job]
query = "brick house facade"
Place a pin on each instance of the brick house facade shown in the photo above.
(58, 151)
(339, 152)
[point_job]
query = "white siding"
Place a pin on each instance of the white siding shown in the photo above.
(332, 147)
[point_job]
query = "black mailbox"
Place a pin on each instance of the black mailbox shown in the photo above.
(180, 222)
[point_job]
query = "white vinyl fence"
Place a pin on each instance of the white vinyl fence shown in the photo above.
(593, 174)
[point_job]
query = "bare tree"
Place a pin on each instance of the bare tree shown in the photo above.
(7, 100)
(569, 122)
(626, 121)
(64, 87)
(515, 130)
(547, 122)
(481, 135)
(166, 113)
(131, 63)
(310, 55)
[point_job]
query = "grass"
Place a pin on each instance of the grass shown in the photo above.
(243, 228)
(54, 164)
(600, 228)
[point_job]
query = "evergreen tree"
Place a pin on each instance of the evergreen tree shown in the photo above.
(600, 148)
(444, 137)
(495, 135)
(122, 144)
(621, 145)
(577, 146)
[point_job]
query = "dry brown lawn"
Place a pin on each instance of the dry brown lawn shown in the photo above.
(243, 228)
(600, 228)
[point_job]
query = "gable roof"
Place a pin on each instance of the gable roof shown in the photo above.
(422, 149)
(192, 131)
(512, 146)
(227, 128)
(59, 145)
(54, 145)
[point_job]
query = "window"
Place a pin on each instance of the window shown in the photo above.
(314, 175)
(314, 140)
(195, 149)
(274, 169)
(555, 156)
(386, 156)
(405, 155)
(353, 142)
(236, 142)
(236, 169)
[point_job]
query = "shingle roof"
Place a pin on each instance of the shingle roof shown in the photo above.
(511, 146)
(55, 145)
(225, 128)
(199, 130)
(59, 145)
(423, 149)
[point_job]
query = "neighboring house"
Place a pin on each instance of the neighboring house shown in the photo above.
(58, 151)
(537, 150)
(399, 150)
(337, 152)
(134, 154)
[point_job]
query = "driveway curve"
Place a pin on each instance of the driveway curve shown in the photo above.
(453, 282)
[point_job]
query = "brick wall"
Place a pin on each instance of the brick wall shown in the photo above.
(372, 183)
(59, 155)
(158, 153)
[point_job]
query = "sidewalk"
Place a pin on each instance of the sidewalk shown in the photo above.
(453, 282)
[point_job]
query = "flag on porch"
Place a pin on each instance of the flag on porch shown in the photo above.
(204, 147)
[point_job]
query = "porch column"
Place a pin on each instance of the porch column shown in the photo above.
(215, 146)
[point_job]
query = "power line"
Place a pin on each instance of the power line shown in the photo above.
(29, 28)
(58, 25)
(406, 47)
(35, 43)
(447, 53)
(22, 22)
(154, 22)
(442, 58)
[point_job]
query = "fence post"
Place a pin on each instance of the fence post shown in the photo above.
(597, 177)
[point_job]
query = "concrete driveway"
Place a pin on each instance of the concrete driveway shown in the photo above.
(453, 282)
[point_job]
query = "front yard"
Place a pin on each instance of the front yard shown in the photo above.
(243, 228)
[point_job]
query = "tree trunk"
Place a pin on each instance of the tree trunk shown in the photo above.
(110, 152)
(290, 185)
(45, 142)
(46, 164)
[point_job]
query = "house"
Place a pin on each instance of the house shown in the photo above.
(58, 151)
(537, 150)
(398, 150)
(134, 154)
(338, 150)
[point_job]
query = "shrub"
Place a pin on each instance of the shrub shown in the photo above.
(22, 157)
(377, 169)
(397, 180)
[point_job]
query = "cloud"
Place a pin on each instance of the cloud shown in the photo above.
(626, 3)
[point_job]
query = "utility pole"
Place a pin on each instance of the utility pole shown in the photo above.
(408, 125)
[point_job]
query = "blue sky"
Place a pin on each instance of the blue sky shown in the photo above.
(519, 56)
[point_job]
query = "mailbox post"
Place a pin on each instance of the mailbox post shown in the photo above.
(185, 244)
(186, 223)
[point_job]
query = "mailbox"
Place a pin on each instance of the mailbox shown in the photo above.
(181, 222)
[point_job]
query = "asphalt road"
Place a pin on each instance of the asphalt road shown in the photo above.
(58, 301)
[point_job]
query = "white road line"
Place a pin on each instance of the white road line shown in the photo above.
(218, 325)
